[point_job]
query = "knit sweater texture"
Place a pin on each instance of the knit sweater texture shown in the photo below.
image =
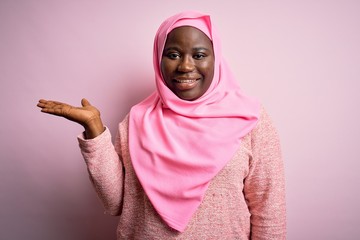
(246, 200)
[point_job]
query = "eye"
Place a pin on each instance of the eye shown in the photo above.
(199, 56)
(173, 55)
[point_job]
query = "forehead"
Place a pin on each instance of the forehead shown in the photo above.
(187, 35)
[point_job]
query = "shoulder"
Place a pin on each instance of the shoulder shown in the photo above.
(264, 138)
(264, 133)
(264, 125)
(124, 122)
(123, 127)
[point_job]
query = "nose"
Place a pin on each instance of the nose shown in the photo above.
(186, 64)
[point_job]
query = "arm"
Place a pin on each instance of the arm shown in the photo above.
(265, 184)
(88, 116)
(105, 169)
(103, 162)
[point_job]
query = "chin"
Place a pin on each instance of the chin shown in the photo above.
(188, 97)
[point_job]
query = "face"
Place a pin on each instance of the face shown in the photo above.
(187, 63)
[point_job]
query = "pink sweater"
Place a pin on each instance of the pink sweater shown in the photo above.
(246, 200)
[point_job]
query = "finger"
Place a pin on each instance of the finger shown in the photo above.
(58, 110)
(49, 101)
(41, 103)
(85, 102)
(49, 111)
(50, 104)
(45, 104)
(47, 108)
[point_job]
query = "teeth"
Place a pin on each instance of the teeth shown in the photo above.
(185, 81)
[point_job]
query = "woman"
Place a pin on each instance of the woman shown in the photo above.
(196, 159)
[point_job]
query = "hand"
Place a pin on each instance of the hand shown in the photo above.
(87, 115)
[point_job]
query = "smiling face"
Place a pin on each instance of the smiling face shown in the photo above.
(187, 63)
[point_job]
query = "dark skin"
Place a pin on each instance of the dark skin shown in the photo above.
(187, 63)
(88, 116)
(187, 66)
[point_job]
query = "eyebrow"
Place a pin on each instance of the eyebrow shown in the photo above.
(201, 48)
(195, 48)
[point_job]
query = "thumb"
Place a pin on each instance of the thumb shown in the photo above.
(85, 102)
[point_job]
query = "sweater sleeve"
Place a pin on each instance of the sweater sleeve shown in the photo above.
(105, 169)
(264, 186)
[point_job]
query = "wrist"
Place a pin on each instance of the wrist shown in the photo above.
(93, 128)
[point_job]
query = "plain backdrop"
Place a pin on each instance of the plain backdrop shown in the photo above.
(300, 58)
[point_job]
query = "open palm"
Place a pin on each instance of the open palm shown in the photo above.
(82, 115)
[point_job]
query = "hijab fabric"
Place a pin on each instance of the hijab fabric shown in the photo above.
(176, 146)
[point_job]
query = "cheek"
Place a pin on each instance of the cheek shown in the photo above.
(165, 69)
(208, 70)
(166, 72)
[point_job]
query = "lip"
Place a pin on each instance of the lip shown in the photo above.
(183, 84)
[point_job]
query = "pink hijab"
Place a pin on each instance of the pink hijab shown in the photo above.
(176, 146)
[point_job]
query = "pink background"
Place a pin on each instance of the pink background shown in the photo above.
(302, 59)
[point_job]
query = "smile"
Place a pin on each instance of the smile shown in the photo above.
(185, 80)
(185, 84)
